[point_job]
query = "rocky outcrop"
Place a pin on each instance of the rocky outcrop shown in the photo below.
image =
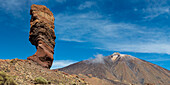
(42, 35)
(26, 72)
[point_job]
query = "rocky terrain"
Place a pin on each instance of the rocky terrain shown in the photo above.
(36, 70)
(26, 72)
(42, 35)
(120, 69)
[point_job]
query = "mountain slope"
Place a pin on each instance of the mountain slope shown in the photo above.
(123, 69)
(26, 72)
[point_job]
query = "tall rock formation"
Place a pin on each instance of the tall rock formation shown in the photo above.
(42, 35)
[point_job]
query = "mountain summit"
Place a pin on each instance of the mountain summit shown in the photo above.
(121, 69)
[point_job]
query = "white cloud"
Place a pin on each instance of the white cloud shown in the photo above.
(135, 9)
(142, 48)
(16, 7)
(99, 58)
(159, 59)
(61, 1)
(156, 8)
(73, 40)
(155, 12)
(102, 33)
(62, 63)
(87, 4)
(11, 4)
(80, 27)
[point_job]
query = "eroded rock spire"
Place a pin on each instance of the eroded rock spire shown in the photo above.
(42, 35)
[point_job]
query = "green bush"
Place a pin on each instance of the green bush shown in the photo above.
(2, 74)
(5, 79)
(1, 78)
(41, 80)
(9, 81)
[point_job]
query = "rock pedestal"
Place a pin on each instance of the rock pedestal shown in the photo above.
(42, 35)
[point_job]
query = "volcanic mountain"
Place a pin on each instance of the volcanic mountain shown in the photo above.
(120, 69)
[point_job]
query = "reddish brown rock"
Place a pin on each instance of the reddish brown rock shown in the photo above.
(42, 35)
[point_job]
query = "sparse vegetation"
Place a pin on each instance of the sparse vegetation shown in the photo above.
(41, 80)
(24, 73)
(6, 79)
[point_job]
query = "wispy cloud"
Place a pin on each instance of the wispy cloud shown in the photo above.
(156, 8)
(81, 26)
(86, 4)
(62, 63)
(17, 7)
(159, 59)
(107, 35)
(155, 12)
(99, 58)
(72, 40)
(12, 6)
(142, 48)
(61, 1)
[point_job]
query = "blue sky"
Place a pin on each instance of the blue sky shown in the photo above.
(85, 28)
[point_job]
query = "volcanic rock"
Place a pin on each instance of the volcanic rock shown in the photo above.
(26, 72)
(120, 69)
(42, 35)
